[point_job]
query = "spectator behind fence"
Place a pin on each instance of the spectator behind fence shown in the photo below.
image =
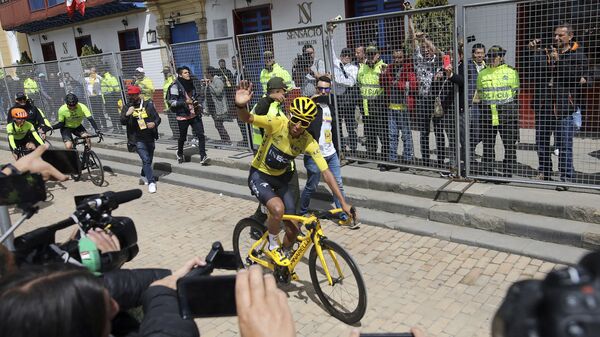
(142, 123)
(373, 105)
(497, 90)
(94, 92)
(45, 96)
(31, 87)
(443, 119)
(347, 94)
(111, 91)
(562, 71)
(307, 68)
(426, 65)
(213, 90)
(182, 99)
(272, 69)
(231, 81)
(400, 83)
(237, 76)
(169, 79)
(144, 82)
(359, 54)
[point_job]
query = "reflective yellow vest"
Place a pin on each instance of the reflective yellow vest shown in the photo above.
(166, 86)
(30, 86)
(275, 109)
(368, 81)
(109, 83)
(496, 86)
(277, 71)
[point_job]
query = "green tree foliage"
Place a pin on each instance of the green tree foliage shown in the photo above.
(25, 59)
(90, 61)
(438, 25)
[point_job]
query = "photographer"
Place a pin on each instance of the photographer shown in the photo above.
(62, 300)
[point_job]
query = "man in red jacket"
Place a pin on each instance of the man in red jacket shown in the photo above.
(399, 82)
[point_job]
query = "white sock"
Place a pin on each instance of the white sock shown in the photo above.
(273, 244)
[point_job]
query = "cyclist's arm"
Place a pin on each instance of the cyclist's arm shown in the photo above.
(11, 137)
(88, 115)
(36, 135)
(245, 116)
(61, 119)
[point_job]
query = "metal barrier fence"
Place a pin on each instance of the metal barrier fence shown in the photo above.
(533, 117)
(386, 99)
(211, 65)
(525, 131)
(296, 55)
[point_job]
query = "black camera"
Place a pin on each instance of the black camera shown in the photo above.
(565, 304)
(93, 211)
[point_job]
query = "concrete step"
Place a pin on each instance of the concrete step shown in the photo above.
(539, 227)
(550, 251)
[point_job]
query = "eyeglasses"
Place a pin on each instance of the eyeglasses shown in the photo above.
(326, 89)
(303, 124)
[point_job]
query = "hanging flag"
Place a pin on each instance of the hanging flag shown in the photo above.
(81, 7)
(75, 5)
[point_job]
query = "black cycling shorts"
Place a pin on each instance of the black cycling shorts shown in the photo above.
(21, 143)
(67, 133)
(265, 187)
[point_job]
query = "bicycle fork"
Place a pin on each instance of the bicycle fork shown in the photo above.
(331, 281)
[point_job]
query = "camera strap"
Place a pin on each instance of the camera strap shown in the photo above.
(65, 256)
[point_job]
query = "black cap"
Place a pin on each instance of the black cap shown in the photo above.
(346, 52)
(496, 51)
(20, 95)
(276, 83)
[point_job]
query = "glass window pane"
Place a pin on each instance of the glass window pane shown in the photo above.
(35, 5)
(55, 2)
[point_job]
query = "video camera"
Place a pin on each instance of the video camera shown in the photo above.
(565, 304)
(92, 211)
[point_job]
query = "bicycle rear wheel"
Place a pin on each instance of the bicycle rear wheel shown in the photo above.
(346, 298)
(246, 232)
(95, 169)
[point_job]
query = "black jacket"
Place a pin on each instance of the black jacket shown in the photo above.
(131, 288)
(176, 99)
(134, 133)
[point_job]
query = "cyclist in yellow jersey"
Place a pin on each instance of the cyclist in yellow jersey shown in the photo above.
(284, 139)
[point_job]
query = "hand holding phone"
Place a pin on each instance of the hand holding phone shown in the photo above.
(446, 61)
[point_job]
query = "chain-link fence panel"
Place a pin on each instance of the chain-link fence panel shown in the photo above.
(296, 55)
(393, 89)
(5, 97)
(145, 68)
(215, 78)
(533, 109)
(103, 90)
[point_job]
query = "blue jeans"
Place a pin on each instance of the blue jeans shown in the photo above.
(398, 121)
(146, 152)
(314, 176)
(565, 132)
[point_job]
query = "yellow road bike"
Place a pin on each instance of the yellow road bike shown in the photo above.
(334, 273)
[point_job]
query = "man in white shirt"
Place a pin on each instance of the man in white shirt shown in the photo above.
(347, 95)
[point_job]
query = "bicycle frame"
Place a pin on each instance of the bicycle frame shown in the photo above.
(313, 236)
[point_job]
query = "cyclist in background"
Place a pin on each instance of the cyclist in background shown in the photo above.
(283, 141)
(35, 115)
(21, 133)
(70, 118)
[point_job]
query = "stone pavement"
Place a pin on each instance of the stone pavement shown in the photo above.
(447, 288)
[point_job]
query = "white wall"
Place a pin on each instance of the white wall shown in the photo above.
(104, 34)
(491, 25)
(284, 15)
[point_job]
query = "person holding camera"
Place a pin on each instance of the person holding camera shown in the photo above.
(63, 300)
(183, 103)
(142, 121)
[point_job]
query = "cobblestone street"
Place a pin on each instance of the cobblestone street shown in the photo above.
(448, 289)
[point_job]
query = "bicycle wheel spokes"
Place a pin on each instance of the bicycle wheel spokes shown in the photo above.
(245, 235)
(95, 169)
(345, 297)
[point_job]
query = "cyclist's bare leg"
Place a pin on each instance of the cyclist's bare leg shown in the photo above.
(88, 141)
(276, 208)
(68, 145)
(291, 233)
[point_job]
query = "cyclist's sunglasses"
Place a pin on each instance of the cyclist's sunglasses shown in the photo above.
(71, 105)
(303, 124)
(326, 89)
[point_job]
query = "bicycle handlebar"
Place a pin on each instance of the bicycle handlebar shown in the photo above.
(80, 140)
(332, 214)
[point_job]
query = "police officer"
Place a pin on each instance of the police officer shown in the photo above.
(111, 91)
(497, 91)
(373, 104)
(273, 69)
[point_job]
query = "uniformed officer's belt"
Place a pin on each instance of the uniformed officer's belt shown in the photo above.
(502, 101)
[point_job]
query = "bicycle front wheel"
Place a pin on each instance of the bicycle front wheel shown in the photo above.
(346, 298)
(95, 169)
(246, 233)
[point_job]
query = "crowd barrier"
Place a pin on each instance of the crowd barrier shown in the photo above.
(543, 131)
